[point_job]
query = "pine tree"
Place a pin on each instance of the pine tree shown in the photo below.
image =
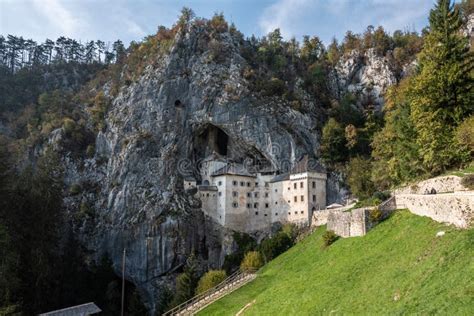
(442, 93)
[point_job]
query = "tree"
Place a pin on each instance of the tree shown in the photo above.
(186, 282)
(442, 91)
(359, 177)
(333, 142)
(210, 279)
(187, 15)
(252, 261)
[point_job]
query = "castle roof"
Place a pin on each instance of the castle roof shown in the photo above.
(307, 165)
(233, 169)
(281, 177)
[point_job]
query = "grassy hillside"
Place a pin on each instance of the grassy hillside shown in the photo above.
(399, 267)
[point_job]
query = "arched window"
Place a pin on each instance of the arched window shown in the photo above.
(205, 182)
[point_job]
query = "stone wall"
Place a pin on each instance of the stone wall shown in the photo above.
(349, 224)
(440, 184)
(452, 208)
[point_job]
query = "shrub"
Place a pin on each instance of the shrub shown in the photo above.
(252, 261)
(69, 125)
(272, 247)
(217, 51)
(210, 279)
(273, 87)
(90, 151)
(329, 237)
(381, 195)
(375, 215)
(468, 181)
(218, 23)
(75, 189)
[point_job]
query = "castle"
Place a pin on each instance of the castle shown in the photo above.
(247, 201)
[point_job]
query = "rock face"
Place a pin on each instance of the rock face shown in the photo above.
(366, 75)
(158, 129)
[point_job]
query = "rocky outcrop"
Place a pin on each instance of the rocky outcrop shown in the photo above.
(365, 75)
(182, 109)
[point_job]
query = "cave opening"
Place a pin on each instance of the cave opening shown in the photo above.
(222, 140)
(211, 139)
(177, 103)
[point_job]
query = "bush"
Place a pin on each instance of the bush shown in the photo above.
(90, 151)
(272, 247)
(375, 215)
(468, 181)
(273, 87)
(329, 237)
(381, 195)
(75, 189)
(69, 125)
(210, 279)
(252, 261)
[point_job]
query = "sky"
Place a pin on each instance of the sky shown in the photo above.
(129, 20)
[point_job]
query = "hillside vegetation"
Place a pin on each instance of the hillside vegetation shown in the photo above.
(400, 267)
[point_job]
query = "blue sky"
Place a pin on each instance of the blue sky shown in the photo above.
(132, 20)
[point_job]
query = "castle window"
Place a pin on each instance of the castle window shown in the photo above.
(242, 183)
(266, 194)
(289, 201)
(220, 193)
(266, 184)
(302, 212)
(276, 190)
(289, 213)
(255, 194)
(234, 182)
(256, 213)
(249, 205)
(276, 214)
(249, 194)
(314, 198)
(296, 199)
(189, 183)
(301, 184)
(234, 194)
(295, 185)
(302, 198)
(264, 214)
(235, 204)
(219, 183)
(276, 202)
(296, 213)
(207, 194)
(256, 184)
(266, 205)
(288, 188)
(248, 184)
(255, 205)
(214, 194)
(314, 185)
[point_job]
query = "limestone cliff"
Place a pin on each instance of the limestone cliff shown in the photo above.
(181, 109)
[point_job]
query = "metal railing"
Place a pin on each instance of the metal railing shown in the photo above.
(211, 293)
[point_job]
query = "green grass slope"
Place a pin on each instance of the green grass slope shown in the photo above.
(400, 267)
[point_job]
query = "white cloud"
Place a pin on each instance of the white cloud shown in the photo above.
(281, 15)
(58, 15)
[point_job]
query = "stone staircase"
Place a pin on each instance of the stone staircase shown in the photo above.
(199, 302)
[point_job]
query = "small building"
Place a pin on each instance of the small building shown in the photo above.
(79, 310)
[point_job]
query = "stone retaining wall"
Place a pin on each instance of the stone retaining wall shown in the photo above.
(452, 208)
(440, 184)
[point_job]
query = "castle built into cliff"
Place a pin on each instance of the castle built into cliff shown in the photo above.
(247, 201)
